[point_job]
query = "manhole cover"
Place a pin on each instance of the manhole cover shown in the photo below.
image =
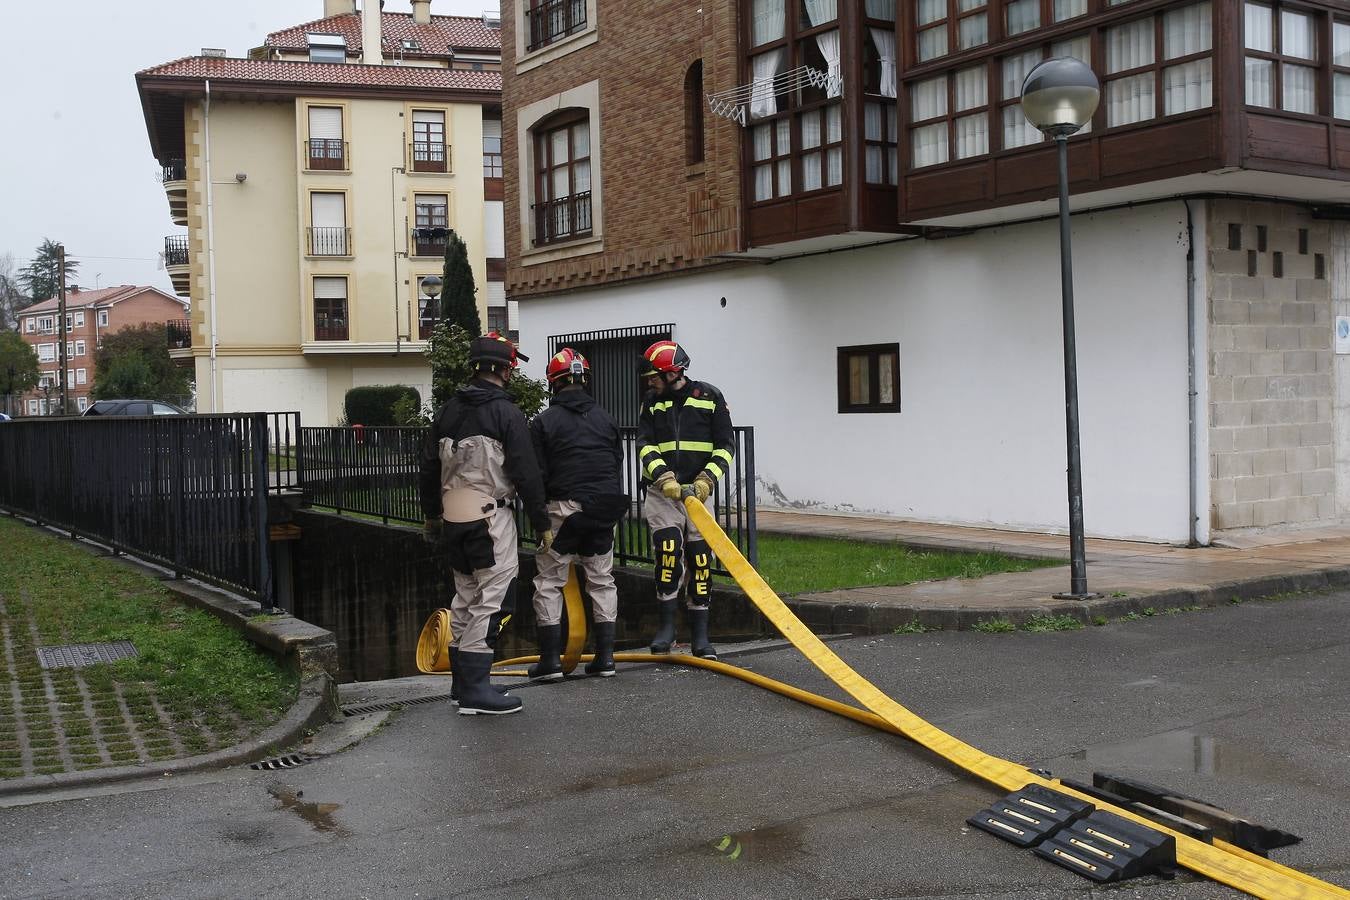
(74, 656)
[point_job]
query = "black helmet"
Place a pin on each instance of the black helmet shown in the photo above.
(493, 349)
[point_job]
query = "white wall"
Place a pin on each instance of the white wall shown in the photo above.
(981, 436)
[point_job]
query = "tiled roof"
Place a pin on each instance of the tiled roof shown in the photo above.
(443, 33)
(286, 72)
(84, 299)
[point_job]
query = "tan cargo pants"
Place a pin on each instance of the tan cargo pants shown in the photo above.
(596, 575)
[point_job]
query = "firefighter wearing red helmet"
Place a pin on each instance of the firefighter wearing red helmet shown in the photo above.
(477, 459)
(684, 438)
(580, 452)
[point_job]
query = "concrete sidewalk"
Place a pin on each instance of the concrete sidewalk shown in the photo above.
(1130, 576)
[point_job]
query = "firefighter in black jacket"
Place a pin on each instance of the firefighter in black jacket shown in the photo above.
(478, 457)
(579, 449)
(684, 438)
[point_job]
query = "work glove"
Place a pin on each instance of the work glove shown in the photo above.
(431, 531)
(703, 486)
(545, 541)
(669, 485)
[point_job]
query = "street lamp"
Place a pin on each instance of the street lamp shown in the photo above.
(1059, 97)
(431, 288)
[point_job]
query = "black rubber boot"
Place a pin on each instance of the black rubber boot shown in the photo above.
(698, 634)
(549, 667)
(665, 635)
(454, 678)
(603, 664)
(476, 694)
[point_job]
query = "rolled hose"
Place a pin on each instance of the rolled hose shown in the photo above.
(1221, 861)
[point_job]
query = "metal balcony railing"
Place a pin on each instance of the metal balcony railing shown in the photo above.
(430, 240)
(562, 219)
(552, 20)
(327, 153)
(176, 170)
(179, 333)
(430, 156)
(176, 250)
(330, 241)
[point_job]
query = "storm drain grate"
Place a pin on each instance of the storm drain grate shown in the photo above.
(75, 656)
(362, 709)
(288, 761)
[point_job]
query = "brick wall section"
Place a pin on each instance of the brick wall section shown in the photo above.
(660, 216)
(1270, 366)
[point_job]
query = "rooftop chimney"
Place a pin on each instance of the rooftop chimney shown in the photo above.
(371, 52)
(338, 8)
(422, 12)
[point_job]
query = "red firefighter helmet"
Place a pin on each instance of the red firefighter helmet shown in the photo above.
(664, 356)
(494, 349)
(567, 367)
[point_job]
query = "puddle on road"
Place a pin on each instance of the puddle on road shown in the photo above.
(1184, 750)
(772, 844)
(318, 815)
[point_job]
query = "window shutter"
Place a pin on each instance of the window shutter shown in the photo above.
(328, 288)
(328, 210)
(429, 115)
(325, 122)
(492, 128)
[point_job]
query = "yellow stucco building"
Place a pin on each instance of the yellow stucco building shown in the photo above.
(317, 180)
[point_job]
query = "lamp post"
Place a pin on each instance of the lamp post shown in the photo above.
(1059, 97)
(431, 288)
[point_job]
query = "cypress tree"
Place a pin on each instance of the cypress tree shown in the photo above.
(458, 306)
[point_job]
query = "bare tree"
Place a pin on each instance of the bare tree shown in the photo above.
(12, 298)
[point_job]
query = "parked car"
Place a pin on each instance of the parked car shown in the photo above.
(134, 408)
(4, 417)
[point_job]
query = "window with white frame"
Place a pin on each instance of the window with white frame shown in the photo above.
(492, 148)
(30, 324)
(327, 48)
(46, 352)
(70, 321)
(103, 318)
(1281, 57)
(82, 403)
(47, 324)
(32, 407)
(79, 319)
(80, 375)
(79, 348)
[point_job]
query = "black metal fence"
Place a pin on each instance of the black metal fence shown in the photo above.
(374, 472)
(189, 492)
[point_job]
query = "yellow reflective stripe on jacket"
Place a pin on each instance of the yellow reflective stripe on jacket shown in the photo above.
(650, 448)
(695, 446)
(723, 455)
(700, 404)
(662, 405)
(714, 469)
(652, 466)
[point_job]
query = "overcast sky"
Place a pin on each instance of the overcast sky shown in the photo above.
(75, 163)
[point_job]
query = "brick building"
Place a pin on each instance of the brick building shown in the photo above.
(840, 210)
(89, 316)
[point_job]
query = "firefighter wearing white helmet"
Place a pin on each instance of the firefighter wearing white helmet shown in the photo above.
(685, 439)
(477, 458)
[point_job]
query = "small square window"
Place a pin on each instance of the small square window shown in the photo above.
(869, 379)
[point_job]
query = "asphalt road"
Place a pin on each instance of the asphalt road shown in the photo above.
(644, 785)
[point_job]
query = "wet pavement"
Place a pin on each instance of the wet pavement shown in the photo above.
(667, 782)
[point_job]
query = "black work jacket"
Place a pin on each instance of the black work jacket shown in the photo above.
(685, 432)
(483, 408)
(578, 446)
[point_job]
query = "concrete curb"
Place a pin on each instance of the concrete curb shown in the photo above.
(310, 711)
(830, 617)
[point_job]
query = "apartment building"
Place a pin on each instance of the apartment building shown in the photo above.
(89, 316)
(839, 209)
(317, 180)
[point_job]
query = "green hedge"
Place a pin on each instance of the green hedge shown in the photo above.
(374, 405)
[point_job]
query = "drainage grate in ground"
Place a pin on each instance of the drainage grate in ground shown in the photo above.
(289, 761)
(76, 656)
(362, 709)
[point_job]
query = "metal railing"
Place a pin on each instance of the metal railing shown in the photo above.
(189, 492)
(327, 153)
(176, 170)
(562, 219)
(430, 240)
(176, 250)
(373, 471)
(551, 20)
(330, 241)
(179, 333)
(429, 156)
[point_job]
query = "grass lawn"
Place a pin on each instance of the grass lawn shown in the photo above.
(798, 565)
(195, 684)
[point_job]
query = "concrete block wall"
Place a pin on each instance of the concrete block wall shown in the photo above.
(1271, 378)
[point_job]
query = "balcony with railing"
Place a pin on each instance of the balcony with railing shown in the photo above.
(178, 263)
(552, 20)
(430, 240)
(329, 241)
(429, 156)
(174, 179)
(562, 219)
(326, 154)
(178, 332)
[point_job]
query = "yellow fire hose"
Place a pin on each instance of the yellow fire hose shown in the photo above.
(1221, 861)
